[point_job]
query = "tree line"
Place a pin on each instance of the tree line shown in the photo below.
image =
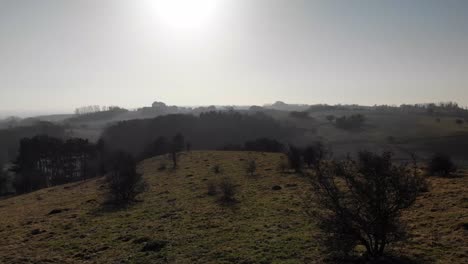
(448, 108)
(10, 138)
(45, 161)
(91, 109)
(211, 130)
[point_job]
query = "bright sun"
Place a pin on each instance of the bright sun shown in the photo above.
(186, 14)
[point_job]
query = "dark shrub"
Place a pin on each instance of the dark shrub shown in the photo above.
(441, 165)
(124, 182)
(216, 169)
(228, 190)
(361, 203)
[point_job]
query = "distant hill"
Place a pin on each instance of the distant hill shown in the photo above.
(422, 128)
(282, 106)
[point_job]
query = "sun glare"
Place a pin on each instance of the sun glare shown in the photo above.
(186, 14)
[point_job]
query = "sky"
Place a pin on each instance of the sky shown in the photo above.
(56, 55)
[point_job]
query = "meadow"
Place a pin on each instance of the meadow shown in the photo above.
(177, 221)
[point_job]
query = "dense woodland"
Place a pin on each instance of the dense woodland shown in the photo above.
(10, 138)
(45, 161)
(211, 130)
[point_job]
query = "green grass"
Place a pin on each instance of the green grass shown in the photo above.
(264, 226)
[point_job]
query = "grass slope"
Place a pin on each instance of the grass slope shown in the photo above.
(179, 223)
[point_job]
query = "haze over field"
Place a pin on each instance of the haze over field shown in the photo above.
(234, 131)
(58, 55)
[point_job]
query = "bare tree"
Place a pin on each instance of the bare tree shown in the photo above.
(124, 182)
(228, 191)
(177, 146)
(360, 202)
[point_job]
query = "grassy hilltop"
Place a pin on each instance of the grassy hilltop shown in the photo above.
(176, 221)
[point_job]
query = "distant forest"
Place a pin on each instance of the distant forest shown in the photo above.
(65, 148)
(10, 138)
(212, 130)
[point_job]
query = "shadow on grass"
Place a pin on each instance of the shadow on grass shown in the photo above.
(109, 206)
(232, 205)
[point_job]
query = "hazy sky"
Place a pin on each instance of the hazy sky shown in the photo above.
(56, 55)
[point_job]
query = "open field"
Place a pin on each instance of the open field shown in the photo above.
(176, 221)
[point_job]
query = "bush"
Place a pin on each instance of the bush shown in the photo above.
(441, 165)
(251, 167)
(360, 203)
(216, 169)
(124, 182)
(228, 190)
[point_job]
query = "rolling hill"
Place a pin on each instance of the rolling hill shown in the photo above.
(176, 221)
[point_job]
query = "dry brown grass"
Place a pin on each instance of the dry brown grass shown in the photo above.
(264, 226)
